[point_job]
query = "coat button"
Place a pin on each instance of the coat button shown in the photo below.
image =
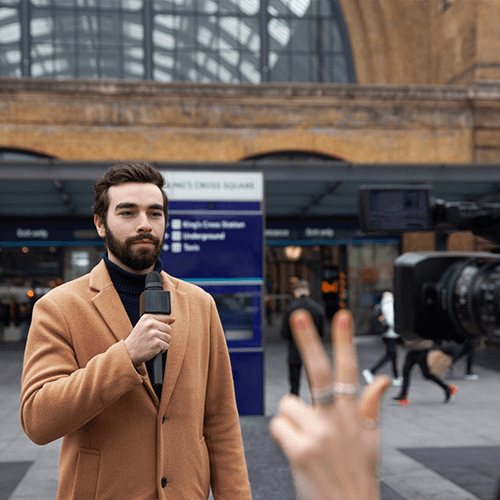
(163, 482)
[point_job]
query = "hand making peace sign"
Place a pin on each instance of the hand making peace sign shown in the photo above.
(333, 447)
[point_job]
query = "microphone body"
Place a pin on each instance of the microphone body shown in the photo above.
(155, 300)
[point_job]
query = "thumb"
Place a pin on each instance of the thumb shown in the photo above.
(371, 398)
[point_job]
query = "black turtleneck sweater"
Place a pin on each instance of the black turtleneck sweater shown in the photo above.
(129, 287)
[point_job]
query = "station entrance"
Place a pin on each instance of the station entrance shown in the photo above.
(343, 273)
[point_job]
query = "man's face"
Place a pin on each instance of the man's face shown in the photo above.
(134, 228)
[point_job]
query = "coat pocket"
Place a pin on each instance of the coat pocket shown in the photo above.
(204, 465)
(87, 473)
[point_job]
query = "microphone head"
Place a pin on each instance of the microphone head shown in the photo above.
(153, 281)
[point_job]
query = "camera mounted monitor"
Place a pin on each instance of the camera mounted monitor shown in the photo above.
(395, 208)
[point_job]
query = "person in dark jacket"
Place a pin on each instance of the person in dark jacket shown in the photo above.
(302, 300)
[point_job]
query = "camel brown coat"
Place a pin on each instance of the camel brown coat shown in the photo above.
(119, 440)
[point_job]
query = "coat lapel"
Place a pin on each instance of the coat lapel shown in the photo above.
(108, 303)
(178, 343)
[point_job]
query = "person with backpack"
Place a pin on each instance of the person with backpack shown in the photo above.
(383, 324)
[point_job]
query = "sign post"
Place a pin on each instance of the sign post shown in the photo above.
(214, 239)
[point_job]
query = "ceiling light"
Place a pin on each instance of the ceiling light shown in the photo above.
(293, 252)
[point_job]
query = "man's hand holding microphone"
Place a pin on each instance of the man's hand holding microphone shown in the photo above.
(150, 336)
(152, 333)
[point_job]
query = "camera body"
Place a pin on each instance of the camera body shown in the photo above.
(447, 295)
(438, 295)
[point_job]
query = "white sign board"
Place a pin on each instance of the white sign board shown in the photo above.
(214, 186)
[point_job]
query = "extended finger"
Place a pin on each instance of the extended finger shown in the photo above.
(369, 404)
(344, 352)
(311, 350)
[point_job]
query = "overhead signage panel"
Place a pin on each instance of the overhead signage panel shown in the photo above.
(57, 233)
(317, 232)
(214, 186)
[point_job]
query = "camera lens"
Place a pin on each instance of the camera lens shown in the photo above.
(469, 295)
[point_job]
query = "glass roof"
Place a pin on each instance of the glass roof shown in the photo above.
(233, 41)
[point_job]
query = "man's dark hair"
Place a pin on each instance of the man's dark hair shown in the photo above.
(121, 173)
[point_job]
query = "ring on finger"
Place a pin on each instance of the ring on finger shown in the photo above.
(348, 390)
(323, 396)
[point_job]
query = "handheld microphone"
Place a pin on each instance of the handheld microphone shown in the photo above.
(155, 300)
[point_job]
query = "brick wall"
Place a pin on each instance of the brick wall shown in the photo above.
(109, 120)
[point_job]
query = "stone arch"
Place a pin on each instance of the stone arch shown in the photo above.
(291, 155)
(22, 154)
(390, 40)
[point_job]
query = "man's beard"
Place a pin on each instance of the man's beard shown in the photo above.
(138, 258)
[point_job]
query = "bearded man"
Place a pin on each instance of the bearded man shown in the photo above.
(87, 374)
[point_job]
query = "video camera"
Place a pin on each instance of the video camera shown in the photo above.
(438, 295)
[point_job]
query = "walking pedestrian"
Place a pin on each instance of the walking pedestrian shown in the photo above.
(467, 349)
(301, 291)
(418, 355)
(391, 340)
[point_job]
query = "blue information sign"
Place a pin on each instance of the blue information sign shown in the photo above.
(214, 245)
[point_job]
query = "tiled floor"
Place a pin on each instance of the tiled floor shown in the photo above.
(469, 428)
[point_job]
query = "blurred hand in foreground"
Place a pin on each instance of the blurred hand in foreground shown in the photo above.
(333, 447)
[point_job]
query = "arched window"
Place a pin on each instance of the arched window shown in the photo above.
(231, 41)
